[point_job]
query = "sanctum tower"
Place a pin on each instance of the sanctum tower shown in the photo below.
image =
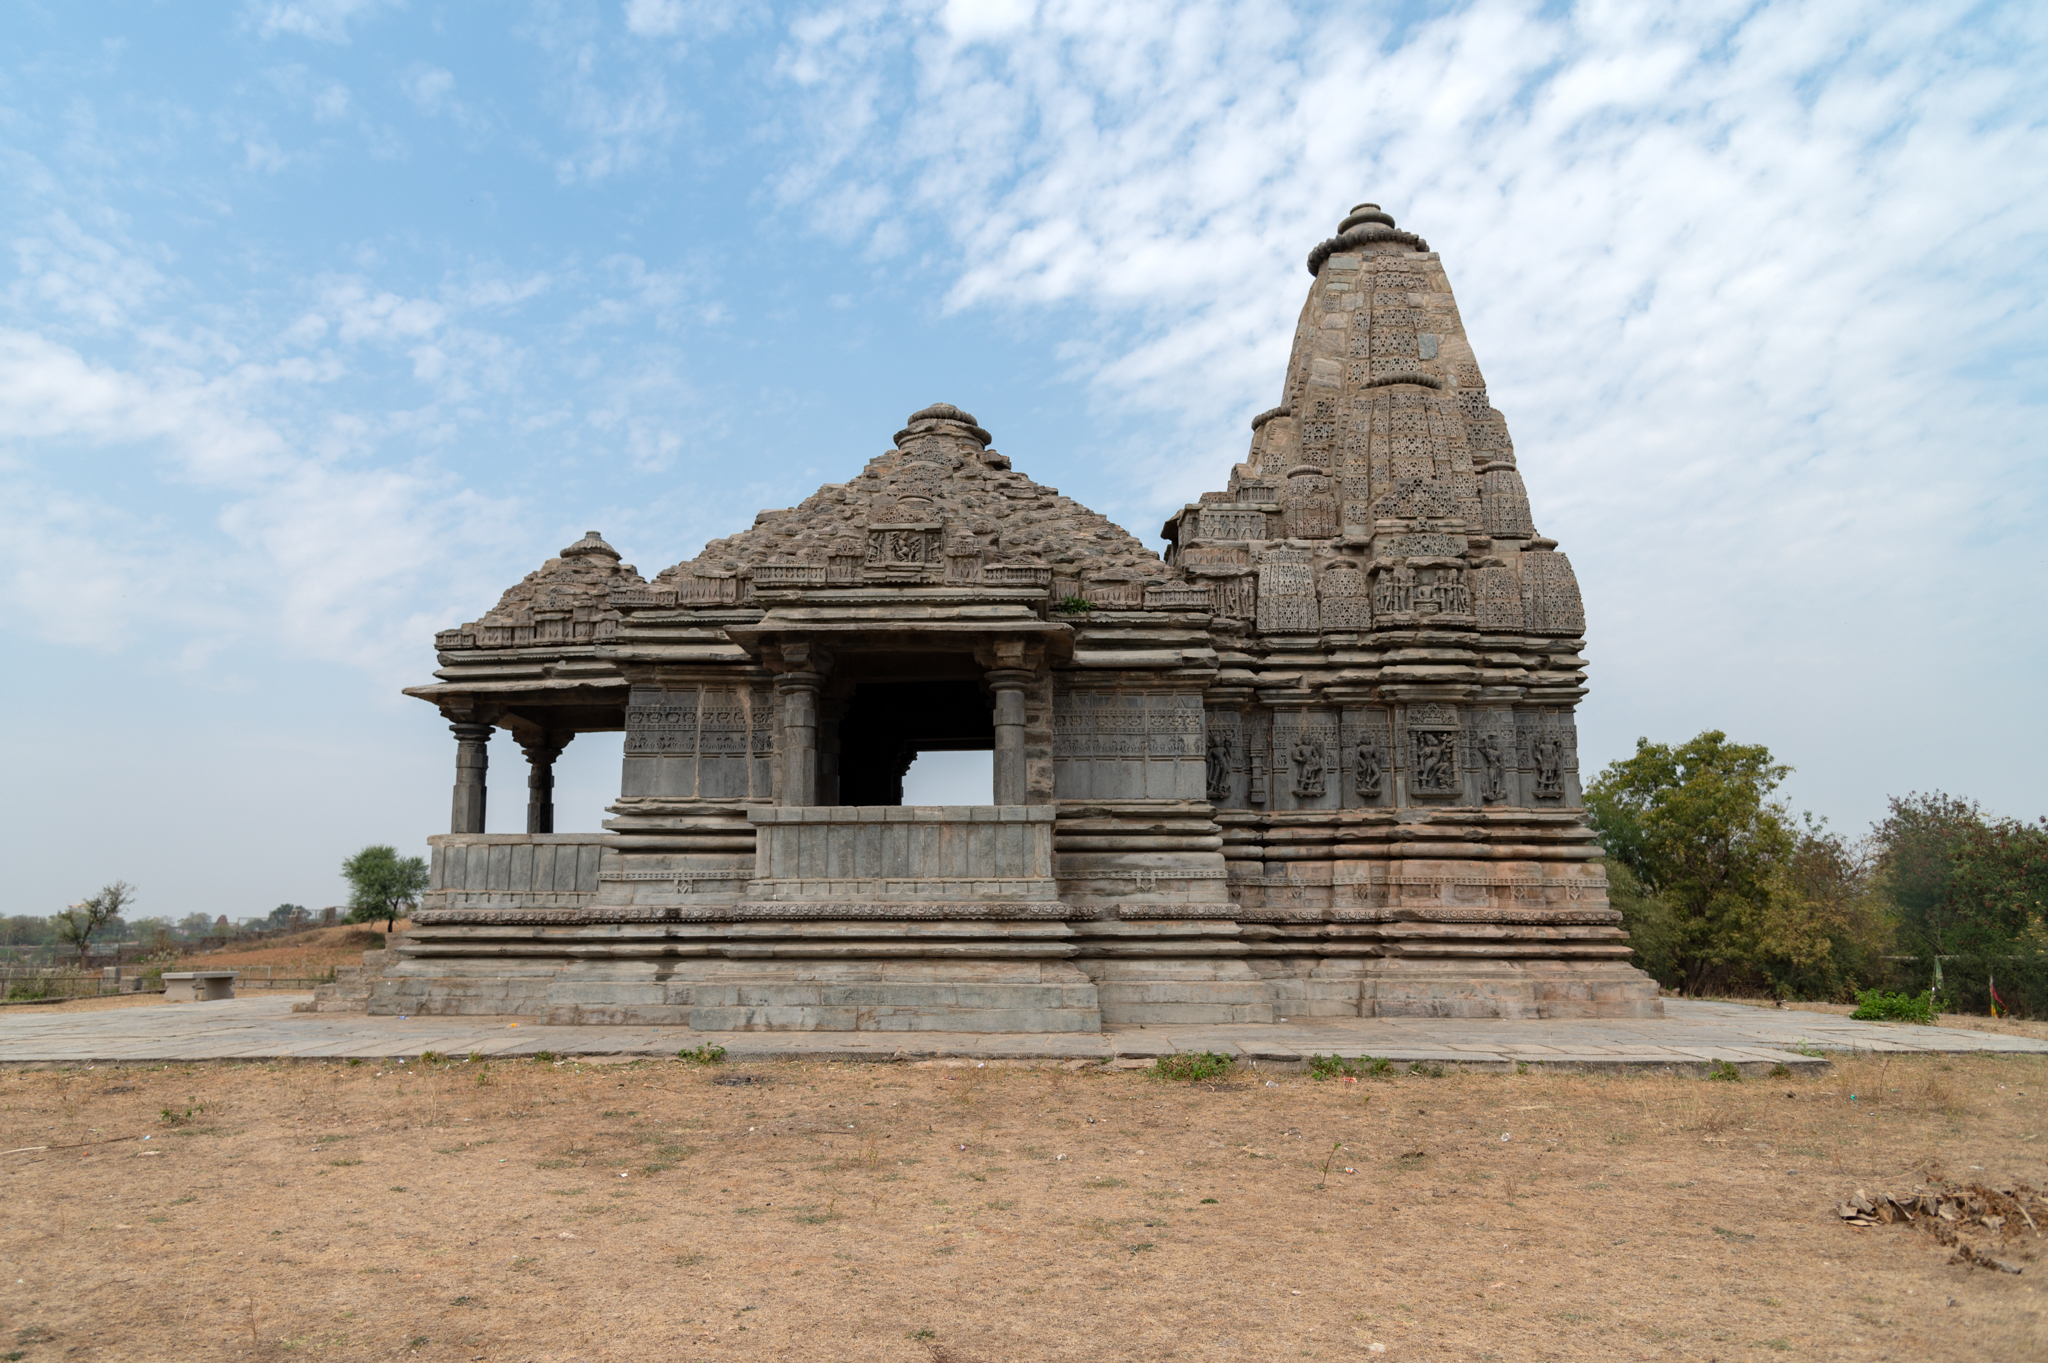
(1319, 759)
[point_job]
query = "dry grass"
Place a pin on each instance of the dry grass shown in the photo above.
(95, 1003)
(918, 1213)
(311, 952)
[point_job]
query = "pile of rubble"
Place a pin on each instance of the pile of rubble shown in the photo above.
(1971, 1218)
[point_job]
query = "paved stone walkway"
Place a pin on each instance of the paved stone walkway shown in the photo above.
(1691, 1035)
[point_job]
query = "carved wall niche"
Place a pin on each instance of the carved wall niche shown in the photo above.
(1307, 759)
(1215, 556)
(1345, 599)
(1547, 748)
(699, 742)
(1121, 745)
(1368, 757)
(1236, 597)
(1504, 502)
(1406, 590)
(903, 545)
(1434, 736)
(1230, 524)
(1287, 593)
(1495, 757)
(1496, 598)
(1225, 764)
(1307, 505)
(1550, 594)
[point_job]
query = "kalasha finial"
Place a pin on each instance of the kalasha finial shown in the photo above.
(1364, 213)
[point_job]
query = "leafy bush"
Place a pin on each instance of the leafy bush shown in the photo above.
(1193, 1068)
(1074, 605)
(1333, 1067)
(1874, 1005)
(1337, 1067)
(705, 1054)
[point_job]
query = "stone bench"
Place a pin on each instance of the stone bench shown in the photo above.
(198, 986)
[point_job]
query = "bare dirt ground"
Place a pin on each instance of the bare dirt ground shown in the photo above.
(663, 1210)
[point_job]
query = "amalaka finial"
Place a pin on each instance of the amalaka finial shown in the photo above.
(591, 543)
(944, 411)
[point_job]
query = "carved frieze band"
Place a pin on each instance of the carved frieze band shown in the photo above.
(707, 722)
(814, 910)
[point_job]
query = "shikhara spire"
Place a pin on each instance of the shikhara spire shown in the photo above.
(1384, 462)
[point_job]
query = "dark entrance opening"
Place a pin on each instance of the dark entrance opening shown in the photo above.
(886, 724)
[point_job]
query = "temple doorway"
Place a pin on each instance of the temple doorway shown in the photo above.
(886, 724)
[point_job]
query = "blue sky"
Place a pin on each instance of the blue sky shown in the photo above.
(323, 322)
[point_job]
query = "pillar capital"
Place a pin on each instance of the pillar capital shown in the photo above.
(542, 747)
(792, 682)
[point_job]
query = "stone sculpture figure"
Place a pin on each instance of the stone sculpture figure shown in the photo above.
(1372, 766)
(1218, 766)
(1436, 760)
(1495, 759)
(1549, 755)
(1309, 765)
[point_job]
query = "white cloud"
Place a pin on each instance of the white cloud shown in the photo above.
(1750, 281)
(429, 87)
(325, 21)
(682, 18)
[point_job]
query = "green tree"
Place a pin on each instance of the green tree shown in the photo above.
(1964, 883)
(1825, 928)
(289, 916)
(382, 883)
(1652, 934)
(77, 925)
(1696, 827)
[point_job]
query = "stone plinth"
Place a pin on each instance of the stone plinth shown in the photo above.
(198, 986)
(881, 861)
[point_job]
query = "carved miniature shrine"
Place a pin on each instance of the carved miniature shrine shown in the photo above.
(1319, 759)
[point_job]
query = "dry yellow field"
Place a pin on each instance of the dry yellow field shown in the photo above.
(951, 1212)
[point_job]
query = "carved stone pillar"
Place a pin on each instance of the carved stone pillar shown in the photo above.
(472, 758)
(541, 750)
(799, 736)
(1008, 683)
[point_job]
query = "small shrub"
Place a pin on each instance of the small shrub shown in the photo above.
(1725, 1072)
(1074, 605)
(1781, 1071)
(545, 1057)
(25, 991)
(1193, 1068)
(433, 1058)
(704, 1054)
(1337, 1067)
(1874, 1005)
(171, 1117)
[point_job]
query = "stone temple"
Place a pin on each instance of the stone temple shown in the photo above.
(1317, 760)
